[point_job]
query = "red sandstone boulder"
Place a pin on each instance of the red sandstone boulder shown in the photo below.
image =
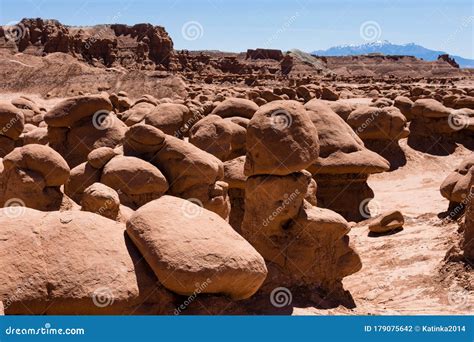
(169, 118)
(284, 128)
(12, 121)
(32, 175)
(136, 180)
(430, 108)
(235, 107)
(456, 186)
(372, 123)
(344, 164)
(219, 137)
(69, 111)
(214, 254)
(468, 241)
(101, 273)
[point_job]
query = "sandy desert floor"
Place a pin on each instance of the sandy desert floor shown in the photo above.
(405, 273)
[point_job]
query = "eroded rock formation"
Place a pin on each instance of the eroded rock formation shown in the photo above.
(213, 254)
(343, 166)
(31, 176)
(109, 45)
(380, 129)
(456, 187)
(293, 236)
(102, 272)
(78, 125)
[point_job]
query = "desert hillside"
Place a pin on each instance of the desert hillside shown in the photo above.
(44, 56)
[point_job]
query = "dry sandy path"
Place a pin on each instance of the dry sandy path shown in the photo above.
(401, 272)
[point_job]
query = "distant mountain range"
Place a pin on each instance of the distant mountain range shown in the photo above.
(387, 48)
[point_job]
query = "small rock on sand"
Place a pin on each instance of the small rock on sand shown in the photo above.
(386, 222)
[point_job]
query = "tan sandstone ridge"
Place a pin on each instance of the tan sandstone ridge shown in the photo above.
(121, 57)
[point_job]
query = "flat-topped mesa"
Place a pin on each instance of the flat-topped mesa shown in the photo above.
(292, 235)
(343, 166)
(102, 44)
(264, 54)
(359, 66)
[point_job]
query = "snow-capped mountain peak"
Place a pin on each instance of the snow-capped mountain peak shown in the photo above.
(387, 48)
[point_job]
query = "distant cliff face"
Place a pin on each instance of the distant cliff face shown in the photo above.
(376, 65)
(265, 54)
(387, 48)
(148, 48)
(446, 58)
(139, 46)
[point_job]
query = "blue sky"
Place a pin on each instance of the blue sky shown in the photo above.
(235, 25)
